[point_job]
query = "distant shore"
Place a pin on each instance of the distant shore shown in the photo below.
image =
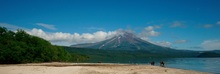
(89, 68)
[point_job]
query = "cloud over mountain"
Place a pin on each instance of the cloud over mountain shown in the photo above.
(211, 44)
(75, 38)
(148, 32)
(61, 38)
(66, 39)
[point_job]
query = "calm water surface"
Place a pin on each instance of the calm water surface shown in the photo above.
(211, 65)
(199, 64)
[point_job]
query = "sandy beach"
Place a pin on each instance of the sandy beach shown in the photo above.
(89, 68)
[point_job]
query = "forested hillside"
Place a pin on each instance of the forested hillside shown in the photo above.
(114, 56)
(20, 47)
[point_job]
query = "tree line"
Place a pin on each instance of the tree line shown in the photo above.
(20, 47)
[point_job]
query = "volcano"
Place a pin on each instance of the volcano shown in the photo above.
(123, 41)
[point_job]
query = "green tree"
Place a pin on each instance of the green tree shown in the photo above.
(20, 47)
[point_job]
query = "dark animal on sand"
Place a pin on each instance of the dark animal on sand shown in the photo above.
(162, 64)
(152, 63)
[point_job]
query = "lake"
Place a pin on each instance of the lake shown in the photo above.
(199, 64)
(211, 65)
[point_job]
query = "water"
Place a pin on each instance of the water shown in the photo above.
(211, 65)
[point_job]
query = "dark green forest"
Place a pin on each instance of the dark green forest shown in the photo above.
(126, 56)
(208, 54)
(138, 56)
(20, 47)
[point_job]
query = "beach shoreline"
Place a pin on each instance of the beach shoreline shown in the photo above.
(89, 68)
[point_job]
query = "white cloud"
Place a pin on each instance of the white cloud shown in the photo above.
(157, 26)
(67, 39)
(218, 23)
(181, 41)
(152, 33)
(11, 27)
(149, 28)
(164, 43)
(208, 26)
(48, 26)
(160, 43)
(211, 45)
(145, 38)
(149, 31)
(177, 24)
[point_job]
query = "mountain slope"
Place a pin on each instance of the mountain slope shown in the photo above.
(128, 43)
(123, 41)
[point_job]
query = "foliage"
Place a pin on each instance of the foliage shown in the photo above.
(126, 56)
(20, 47)
(208, 54)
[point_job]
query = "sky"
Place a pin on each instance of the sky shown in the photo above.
(179, 24)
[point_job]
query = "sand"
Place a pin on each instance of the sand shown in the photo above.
(89, 68)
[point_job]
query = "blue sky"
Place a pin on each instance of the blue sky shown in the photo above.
(180, 24)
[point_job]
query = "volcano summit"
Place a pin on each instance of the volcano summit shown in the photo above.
(122, 41)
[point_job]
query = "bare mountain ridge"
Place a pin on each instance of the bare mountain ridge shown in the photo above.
(122, 41)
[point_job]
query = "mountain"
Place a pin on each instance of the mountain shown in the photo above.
(208, 54)
(216, 51)
(130, 46)
(123, 41)
(127, 43)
